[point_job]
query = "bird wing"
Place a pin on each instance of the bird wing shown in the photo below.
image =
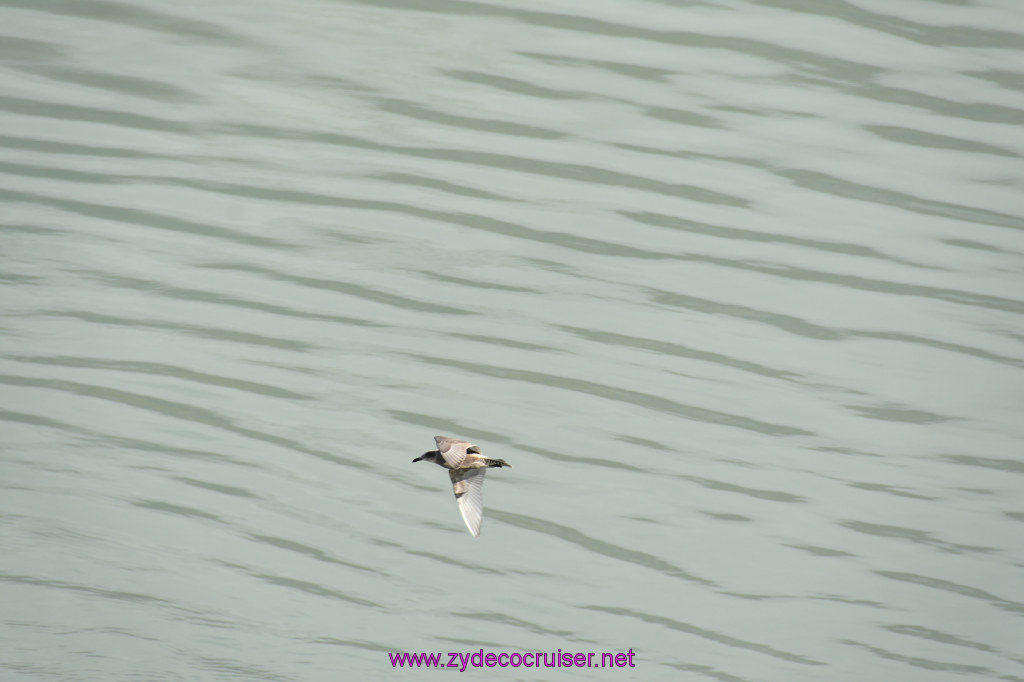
(468, 485)
(454, 451)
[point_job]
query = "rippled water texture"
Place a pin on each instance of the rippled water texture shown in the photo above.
(736, 287)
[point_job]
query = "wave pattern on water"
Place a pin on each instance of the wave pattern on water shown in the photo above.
(739, 299)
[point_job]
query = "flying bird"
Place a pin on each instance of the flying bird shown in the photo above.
(466, 467)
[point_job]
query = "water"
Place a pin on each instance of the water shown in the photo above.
(734, 286)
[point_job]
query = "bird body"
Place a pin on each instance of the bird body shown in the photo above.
(466, 467)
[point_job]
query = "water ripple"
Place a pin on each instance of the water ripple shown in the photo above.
(617, 394)
(591, 544)
(704, 633)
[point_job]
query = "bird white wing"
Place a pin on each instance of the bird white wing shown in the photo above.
(454, 451)
(468, 485)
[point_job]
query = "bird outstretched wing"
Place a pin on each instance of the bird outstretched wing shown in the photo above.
(468, 485)
(454, 451)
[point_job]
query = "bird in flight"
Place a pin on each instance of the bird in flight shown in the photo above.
(466, 467)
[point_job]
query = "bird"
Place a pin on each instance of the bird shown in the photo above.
(466, 467)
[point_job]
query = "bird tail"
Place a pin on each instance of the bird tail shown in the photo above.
(498, 463)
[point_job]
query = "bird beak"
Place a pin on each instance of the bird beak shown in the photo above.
(418, 458)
